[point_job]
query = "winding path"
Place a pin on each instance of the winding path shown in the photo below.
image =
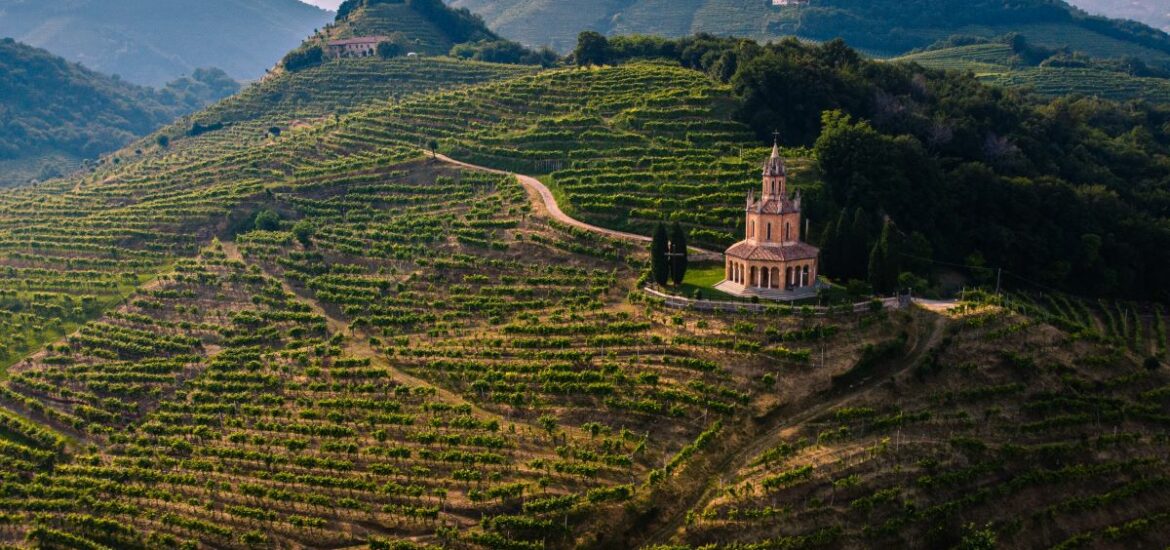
(555, 212)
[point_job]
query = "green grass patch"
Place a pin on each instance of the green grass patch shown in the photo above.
(703, 277)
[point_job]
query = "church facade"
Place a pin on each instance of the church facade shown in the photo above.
(772, 261)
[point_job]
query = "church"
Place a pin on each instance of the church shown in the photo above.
(772, 261)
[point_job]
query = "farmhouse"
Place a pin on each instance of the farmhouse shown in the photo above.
(361, 46)
(772, 261)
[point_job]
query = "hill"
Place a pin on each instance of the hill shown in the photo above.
(325, 339)
(1048, 72)
(426, 26)
(54, 114)
(882, 28)
(153, 42)
(412, 28)
(1150, 12)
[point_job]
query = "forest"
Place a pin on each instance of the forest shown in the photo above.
(47, 103)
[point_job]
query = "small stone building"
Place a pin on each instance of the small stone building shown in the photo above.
(772, 261)
(361, 46)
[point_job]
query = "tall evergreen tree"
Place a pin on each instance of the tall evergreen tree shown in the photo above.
(885, 260)
(678, 250)
(831, 245)
(659, 262)
(857, 247)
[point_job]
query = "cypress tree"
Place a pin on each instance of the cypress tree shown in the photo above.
(831, 246)
(678, 250)
(884, 260)
(858, 245)
(659, 264)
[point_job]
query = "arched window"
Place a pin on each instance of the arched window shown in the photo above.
(769, 231)
(787, 232)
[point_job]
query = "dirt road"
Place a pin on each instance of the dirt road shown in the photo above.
(549, 202)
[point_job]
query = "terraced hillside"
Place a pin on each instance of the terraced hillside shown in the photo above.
(320, 387)
(640, 139)
(996, 64)
(643, 138)
(327, 340)
(1008, 432)
(426, 27)
(64, 274)
(291, 102)
(387, 19)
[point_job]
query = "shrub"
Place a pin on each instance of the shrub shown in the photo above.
(1152, 363)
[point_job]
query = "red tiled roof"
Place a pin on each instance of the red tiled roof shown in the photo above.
(773, 252)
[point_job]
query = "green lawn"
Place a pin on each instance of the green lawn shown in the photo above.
(703, 277)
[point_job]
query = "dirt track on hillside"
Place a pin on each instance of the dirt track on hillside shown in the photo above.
(549, 204)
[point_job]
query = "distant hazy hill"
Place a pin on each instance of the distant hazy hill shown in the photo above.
(54, 113)
(155, 41)
(1155, 13)
(883, 27)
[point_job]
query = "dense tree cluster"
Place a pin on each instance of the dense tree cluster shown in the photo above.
(504, 51)
(303, 58)
(1072, 192)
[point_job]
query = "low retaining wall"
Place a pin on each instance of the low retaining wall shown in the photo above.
(679, 302)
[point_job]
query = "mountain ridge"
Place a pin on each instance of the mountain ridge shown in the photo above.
(883, 28)
(1151, 12)
(152, 43)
